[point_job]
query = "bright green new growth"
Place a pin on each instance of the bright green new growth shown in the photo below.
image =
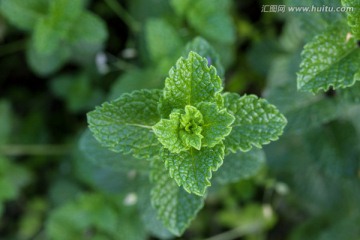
(186, 130)
(194, 128)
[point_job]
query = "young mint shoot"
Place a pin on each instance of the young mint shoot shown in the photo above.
(185, 131)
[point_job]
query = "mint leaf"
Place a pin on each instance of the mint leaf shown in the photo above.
(240, 165)
(330, 59)
(353, 18)
(216, 124)
(175, 207)
(182, 131)
(193, 168)
(124, 125)
(256, 122)
(24, 14)
(203, 48)
(190, 82)
(167, 133)
(194, 128)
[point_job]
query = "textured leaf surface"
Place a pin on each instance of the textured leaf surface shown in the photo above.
(330, 59)
(202, 127)
(240, 165)
(167, 132)
(190, 82)
(203, 48)
(175, 207)
(124, 125)
(192, 169)
(182, 131)
(216, 124)
(353, 19)
(256, 122)
(24, 14)
(103, 157)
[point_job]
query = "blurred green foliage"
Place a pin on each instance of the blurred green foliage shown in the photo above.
(60, 58)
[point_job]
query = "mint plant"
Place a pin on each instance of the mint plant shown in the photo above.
(185, 130)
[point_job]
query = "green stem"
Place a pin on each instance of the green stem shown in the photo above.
(12, 47)
(20, 150)
(123, 15)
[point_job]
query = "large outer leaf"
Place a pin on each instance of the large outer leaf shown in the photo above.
(190, 82)
(353, 19)
(175, 207)
(256, 122)
(124, 125)
(193, 168)
(330, 59)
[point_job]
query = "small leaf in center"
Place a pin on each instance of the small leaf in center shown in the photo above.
(191, 127)
(182, 131)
